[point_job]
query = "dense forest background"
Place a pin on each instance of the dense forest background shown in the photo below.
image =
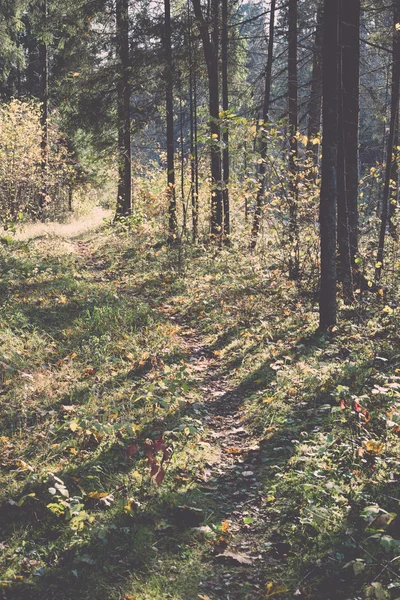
(231, 329)
(238, 82)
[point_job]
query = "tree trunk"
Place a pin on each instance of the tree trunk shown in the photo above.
(264, 140)
(210, 47)
(328, 198)
(44, 101)
(193, 135)
(293, 146)
(172, 216)
(345, 272)
(315, 105)
(225, 107)
(124, 198)
(394, 107)
(181, 117)
(394, 192)
(350, 47)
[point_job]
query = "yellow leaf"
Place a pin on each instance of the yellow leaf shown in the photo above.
(98, 495)
(225, 526)
(374, 447)
(136, 475)
(274, 589)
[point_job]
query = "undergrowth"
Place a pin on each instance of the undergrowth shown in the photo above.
(104, 425)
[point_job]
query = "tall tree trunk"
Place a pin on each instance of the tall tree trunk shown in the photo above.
(394, 107)
(264, 139)
(124, 198)
(210, 47)
(172, 216)
(181, 117)
(225, 107)
(328, 198)
(345, 272)
(293, 146)
(394, 177)
(315, 105)
(193, 134)
(44, 101)
(350, 35)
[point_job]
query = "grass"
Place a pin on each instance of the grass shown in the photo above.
(111, 347)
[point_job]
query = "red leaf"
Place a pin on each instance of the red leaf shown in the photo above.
(131, 450)
(159, 478)
(357, 406)
(342, 404)
(149, 455)
(159, 444)
(154, 469)
(367, 416)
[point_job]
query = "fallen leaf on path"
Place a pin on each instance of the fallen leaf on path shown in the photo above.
(225, 527)
(374, 447)
(233, 450)
(243, 559)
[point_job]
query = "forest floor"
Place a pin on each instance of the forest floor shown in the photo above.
(173, 427)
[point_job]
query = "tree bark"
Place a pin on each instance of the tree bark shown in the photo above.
(225, 108)
(394, 107)
(264, 140)
(345, 271)
(44, 101)
(124, 197)
(293, 146)
(394, 191)
(328, 197)
(171, 192)
(350, 47)
(210, 47)
(315, 105)
(193, 134)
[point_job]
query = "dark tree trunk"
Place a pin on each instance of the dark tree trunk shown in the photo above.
(44, 100)
(328, 199)
(225, 107)
(350, 35)
(345, 271)
(172, 216)
(193, 134)
(264, 140)
(394, 177)
(210, 47)
(315, 105)
(181, 117)
(394, 107)
(293, 146)
(124, 198)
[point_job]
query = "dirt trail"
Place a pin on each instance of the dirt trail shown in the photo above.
(231, 481)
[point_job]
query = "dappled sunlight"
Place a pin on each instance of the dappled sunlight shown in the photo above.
(64, 231)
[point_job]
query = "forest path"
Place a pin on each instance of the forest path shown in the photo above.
(230, 479)
(64, 231)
